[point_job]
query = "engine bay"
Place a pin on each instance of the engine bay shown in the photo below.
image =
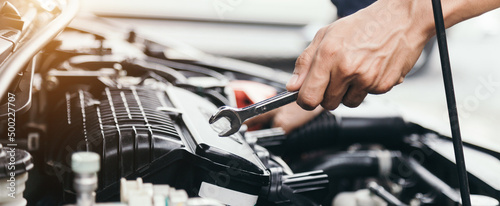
(143, 107)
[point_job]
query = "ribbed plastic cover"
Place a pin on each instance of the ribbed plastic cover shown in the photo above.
(160, 134)
(122, 125)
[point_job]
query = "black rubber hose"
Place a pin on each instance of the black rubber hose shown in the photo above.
(326, 130)
(315, 134)
(350, 164)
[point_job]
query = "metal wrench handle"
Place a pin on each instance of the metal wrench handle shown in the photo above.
(264, 106)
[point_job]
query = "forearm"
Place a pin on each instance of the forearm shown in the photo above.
(454, 11)
(460, 10)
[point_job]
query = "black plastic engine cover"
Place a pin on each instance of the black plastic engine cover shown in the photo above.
(158, 133)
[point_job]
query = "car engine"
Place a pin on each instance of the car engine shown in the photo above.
(143, 108)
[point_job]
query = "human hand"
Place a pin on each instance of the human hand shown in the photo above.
(367, 52)
(288, 117)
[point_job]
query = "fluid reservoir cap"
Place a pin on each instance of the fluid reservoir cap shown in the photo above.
(85, 162)
(14, 161)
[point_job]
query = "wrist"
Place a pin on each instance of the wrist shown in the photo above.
(454, 11)
(421, 15)
(415, 17)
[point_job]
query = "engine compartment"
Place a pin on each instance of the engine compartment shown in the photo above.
(140, 133)
(145, 112)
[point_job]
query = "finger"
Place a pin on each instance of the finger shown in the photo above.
(303, 62)
(334, 92)
(354, 96)
(386, 82)
(391, 73)
(401, 79)
(317, 79)
(357, 89)
(341, 74)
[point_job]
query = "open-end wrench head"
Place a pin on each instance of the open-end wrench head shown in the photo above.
(230, 114)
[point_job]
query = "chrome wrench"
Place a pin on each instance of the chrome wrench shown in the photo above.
(237, 116)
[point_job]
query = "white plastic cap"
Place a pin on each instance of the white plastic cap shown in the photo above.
(85, 162)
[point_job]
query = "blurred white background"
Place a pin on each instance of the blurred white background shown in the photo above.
(474, 47)
(236, 28)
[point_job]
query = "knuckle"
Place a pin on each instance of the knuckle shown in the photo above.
(400, 80)
(366, 80)
(309, 101)
(303, 60)
(354, 98)
(351, 103)
(322, 31)
(329, 105)
(383, 87)
(331, 101)
(349, 66)
(327, 52)
(348, 69)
